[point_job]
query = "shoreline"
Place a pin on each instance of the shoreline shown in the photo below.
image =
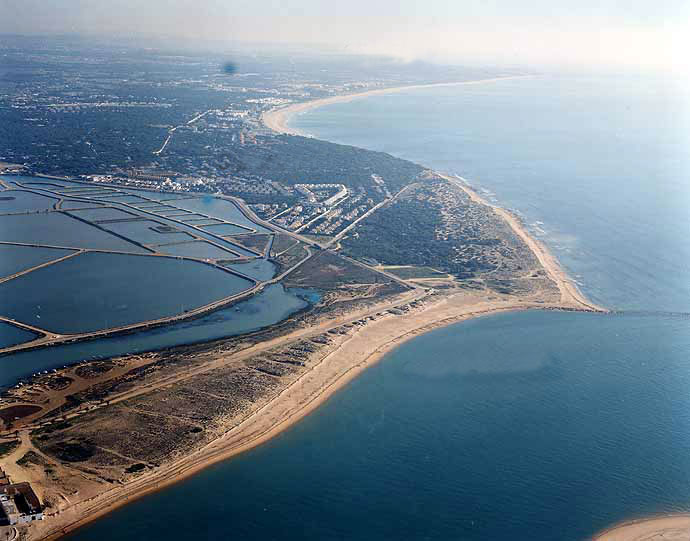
(278, 119)
(260, 426)
(570, 293)
(250, 433)
(364, 348)
(674, 527)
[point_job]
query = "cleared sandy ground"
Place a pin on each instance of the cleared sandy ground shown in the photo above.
(670, 528)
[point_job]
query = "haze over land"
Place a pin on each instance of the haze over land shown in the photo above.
(589, 34)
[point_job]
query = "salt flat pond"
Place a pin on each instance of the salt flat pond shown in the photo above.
(219, 208)
(272, 305)
(11, 335)
(16, 258)
(225, 229)
(137, 260)
(20, 200)
(146, 232)
(198, 248)
(95, 291)
(101, 213)
(58, 229)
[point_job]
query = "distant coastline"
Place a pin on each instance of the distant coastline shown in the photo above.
(278, 119)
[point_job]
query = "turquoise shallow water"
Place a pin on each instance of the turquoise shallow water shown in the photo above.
(526, 426)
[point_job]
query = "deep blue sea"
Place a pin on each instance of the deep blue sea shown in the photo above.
(528, 426)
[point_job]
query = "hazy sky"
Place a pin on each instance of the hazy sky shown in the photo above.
(625, 33)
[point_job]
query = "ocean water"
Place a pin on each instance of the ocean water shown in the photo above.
(525, 426)
(598, 167)
(529, 426)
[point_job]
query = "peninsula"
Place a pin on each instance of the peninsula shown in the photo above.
(94, 436)
(382, 249)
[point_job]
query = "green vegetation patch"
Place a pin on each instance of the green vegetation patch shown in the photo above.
(327, 270)
(134, 468)
(73, 451)
(32, 458)
(411, 231)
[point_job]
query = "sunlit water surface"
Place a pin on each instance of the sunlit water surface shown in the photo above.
(539, 426)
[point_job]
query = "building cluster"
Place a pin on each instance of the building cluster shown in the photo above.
(324, 209)
(75, 107)
(165, 181)
(11, 167)
(268, 211)
(310, 191)
(349, 210)
(274, 102)
(381, 186)
(18, 502)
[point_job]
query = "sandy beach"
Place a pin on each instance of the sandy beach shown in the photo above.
(570, 293)
(364, 347)
(665, 528)
(278, 119)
